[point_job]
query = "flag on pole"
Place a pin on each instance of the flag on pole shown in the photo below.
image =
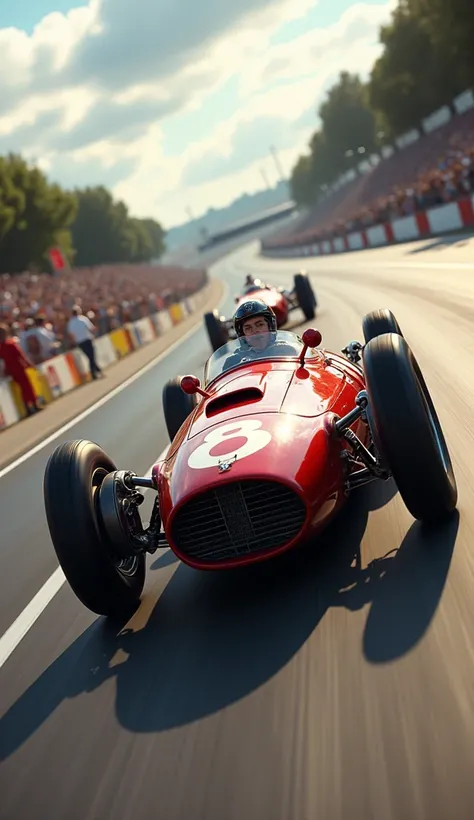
(56, 257)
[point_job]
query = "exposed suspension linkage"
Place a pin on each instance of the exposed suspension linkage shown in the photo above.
(353, 352)
(119, 504)
(373, 468)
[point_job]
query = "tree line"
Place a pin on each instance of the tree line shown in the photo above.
(426, 61)
(88, 225)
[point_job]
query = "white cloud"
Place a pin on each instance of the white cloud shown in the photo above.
(350, 44)
(91, 93)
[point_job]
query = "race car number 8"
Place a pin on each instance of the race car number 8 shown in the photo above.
(243, 438)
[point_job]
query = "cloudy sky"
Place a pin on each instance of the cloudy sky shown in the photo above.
(174, 103)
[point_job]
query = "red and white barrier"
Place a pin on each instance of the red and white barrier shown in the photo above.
(67, 371)
(450, 217)
(8, 410)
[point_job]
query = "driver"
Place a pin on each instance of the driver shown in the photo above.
(255, 325)
(252, 284)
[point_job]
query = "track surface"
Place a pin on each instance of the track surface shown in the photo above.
(308, 689)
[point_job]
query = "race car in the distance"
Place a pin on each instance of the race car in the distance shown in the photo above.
(262, 456)
(283, 302)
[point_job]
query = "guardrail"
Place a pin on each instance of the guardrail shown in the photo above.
(63, 373)
(453, 216)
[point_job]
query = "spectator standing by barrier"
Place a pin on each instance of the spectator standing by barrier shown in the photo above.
(82, 331)
(46, 338)
(38, 342)
(15, 365)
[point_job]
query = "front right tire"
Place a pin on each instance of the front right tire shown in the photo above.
(408, 430)
(378, 322)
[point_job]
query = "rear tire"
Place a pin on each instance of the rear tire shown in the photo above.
(106, 584)
(305, 295)
(177, 406)
(378, 322)
(216, 331)
(408, 429)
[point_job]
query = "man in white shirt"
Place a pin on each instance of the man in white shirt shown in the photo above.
(82, 331)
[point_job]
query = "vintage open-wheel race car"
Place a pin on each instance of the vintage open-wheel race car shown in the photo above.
(262, 456)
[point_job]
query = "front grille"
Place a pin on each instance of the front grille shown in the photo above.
(237, 519)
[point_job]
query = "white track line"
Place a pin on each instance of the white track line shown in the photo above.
(17, 631)
(28, 617)
(101, 402)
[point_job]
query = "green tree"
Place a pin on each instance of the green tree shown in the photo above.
(104, 232)
(450, 26)
(99, 231)
(157, 237)
(348, 122)
(301, 183)
(426, 61)
(12, 200)
(409, 81)
(34, 215)
(140, 241)
(326, 161)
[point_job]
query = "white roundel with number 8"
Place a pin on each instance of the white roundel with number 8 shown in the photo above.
(248, 436)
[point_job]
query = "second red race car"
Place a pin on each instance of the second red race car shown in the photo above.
(282, 301)
(262, 457)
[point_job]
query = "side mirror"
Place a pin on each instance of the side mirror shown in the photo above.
(311, 338)
(191, 385)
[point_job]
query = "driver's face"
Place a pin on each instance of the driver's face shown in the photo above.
(256, 332)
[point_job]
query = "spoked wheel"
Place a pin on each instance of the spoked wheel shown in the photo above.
(104, 582)
(407, 429)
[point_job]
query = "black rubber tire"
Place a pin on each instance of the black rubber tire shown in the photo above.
(177, 406)
(378, 322)
(74, 473)
(305, 295)
(216, 331)
(408, 429)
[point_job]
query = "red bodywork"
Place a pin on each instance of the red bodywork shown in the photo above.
(287, 412)
(273, 298)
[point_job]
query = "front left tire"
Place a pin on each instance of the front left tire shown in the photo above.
(103, 581)
(177, 406)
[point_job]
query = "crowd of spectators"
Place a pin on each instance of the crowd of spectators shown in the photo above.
(36, 307)
(438, 168)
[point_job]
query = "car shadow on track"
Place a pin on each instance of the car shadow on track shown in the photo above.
(459, 240)
(167, 559)
(213, 638)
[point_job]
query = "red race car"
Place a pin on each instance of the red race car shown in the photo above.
(220, 330)
(262, 457)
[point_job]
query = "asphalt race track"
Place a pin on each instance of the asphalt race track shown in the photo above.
(316, 687)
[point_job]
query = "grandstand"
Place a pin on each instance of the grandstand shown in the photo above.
(428, 167)
(109, 294)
